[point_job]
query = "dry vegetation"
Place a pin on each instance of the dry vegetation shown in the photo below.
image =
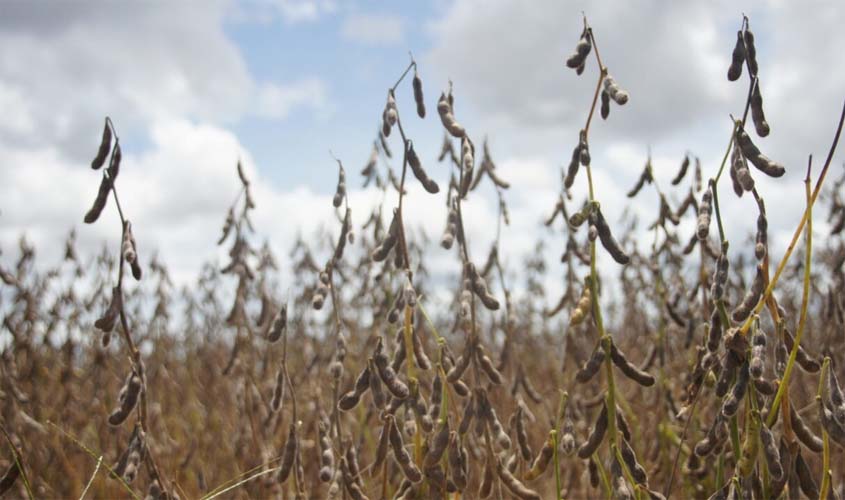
(713, 373)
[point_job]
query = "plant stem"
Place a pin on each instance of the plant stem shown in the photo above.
(553, 436)
(805, 298)
(605, 482)
(782, 265)
(715, 193)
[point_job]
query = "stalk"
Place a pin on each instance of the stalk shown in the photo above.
(553, 435)
(782, 265)
(805, 298)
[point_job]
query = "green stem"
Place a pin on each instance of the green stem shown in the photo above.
(720, 470)
(553, 436)
(561, 409)
(727, 152)
(791, 247)
(805, 297)
(715, 193)
(735, 438)
(605, 482)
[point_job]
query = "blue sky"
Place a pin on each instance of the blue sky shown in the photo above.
(192, 86)
(354, 69)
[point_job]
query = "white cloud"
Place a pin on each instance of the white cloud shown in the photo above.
(18, 116)
(293, 11)
(508, 61)
(374, 29)
(278, 100)
(507, 64)
(105, 61)
(290, 12)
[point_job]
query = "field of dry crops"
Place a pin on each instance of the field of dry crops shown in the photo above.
(712, 372)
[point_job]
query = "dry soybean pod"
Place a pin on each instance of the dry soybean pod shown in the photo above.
(837, 399)
(444, 109)
(105, 147)
(751, 445)
(829, 423)
(396, 387)
(567, 440)
(805, 477)
(622, 424)
(457, 462)
(389, 115)
(750, 51)
(757, 115)
(596, 435)
(419, 352)
(752, 296)
(541, 462)
(107, 322)
(485, 487)
(278, 391)
(731, 403)
(682, 172)
(340, 190)
(720, 279)
(99, 202)
(607, 240)
(496, 427)
(350, 400)
(461, 364)
(621, 489)
(344, 233)
(411, 472)
(727, 373)
(467, 416)
(628, 369)
(803, 433)
(761, 244)
(279, 324)
(418, 94)
(514, 485)
(753, 154)
(704, 210)
(737, 58)
(618, 95)
(479, 287)
(381, 450)
(128, 399)
(758, 353)
(521, 434)
(740, 174)
(582, 50)
(326, 454)
(605, 104)
(804, 360)
(630, 459)
(770, 451)
(288, 454)
(574, 164)
(438, 446)
(714, 437)
(645, 177)
(487, 366)
(591, 367)
(419, 172)
(381, 251)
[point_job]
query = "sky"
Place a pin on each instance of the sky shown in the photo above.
(283, 84)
